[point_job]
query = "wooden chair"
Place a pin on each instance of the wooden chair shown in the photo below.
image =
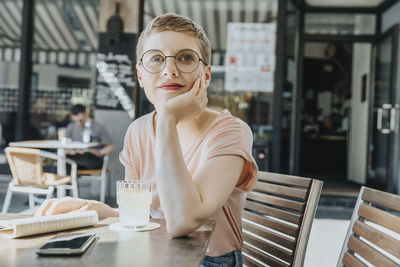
(277, 219)
(374, 231)
(97, 175)
(28, 176)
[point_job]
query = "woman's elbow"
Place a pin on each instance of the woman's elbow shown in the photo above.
(180, 229)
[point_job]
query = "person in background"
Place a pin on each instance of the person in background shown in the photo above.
(85, 129)
(198, 159)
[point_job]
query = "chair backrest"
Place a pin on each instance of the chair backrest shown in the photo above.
(374, 231)
(25, 165)
(277, 219)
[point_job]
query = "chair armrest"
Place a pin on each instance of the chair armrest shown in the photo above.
(49, 155)
(69, 161)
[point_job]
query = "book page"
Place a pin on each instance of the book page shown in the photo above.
(38, 225)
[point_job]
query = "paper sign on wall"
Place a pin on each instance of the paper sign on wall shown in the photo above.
(250, 57)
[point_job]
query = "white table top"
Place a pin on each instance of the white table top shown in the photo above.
(53, 144)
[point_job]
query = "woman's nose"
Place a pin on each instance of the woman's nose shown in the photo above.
(170, 68)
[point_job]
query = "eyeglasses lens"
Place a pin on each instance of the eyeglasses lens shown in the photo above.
(154, 61)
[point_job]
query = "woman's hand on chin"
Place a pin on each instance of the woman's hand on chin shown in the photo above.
(71, 205)
(186, 106)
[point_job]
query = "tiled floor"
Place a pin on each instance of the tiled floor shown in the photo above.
(325, 243)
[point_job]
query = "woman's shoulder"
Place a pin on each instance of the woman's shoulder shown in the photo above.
(226, 120)
(141, 124)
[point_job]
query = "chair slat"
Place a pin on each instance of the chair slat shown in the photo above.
(274, 237)
(382, 199)
(249, 262)
(280, 214)
(284, 179)
(88, 172)
(282, 190)
(273, 224)
(269, 248)
(380, 217)
(261, 257)
(280, 211)
(378, 238)
(369, 253)
(351, 261)
(276, 201)
(305, 226)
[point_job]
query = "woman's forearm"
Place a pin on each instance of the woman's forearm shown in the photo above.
(178, 193)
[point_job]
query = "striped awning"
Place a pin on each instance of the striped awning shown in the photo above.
(65, 31)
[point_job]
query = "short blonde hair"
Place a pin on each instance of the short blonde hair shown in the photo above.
(176, 23)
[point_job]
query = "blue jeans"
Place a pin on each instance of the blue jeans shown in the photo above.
(231, 259)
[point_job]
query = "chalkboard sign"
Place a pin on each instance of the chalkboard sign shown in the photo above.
(115, 73)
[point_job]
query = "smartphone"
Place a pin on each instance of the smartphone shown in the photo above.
(67, 244)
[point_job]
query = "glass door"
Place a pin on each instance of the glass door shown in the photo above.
(383, 128)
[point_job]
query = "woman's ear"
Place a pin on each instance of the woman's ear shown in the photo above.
(139, 75)
(207, 74)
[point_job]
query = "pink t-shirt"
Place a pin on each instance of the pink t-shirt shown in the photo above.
(226, 135)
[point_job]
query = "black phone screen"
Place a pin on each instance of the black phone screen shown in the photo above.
(67, 241)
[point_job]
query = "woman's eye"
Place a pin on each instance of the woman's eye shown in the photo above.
(156, 59)
(186, 58)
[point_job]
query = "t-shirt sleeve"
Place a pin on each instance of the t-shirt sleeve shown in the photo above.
(68, 131)
(235, 138)
(127, 157)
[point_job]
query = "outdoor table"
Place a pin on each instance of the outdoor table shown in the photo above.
(151, 248)
(55, 144)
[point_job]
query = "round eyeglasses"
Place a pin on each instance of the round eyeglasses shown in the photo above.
(186, 61)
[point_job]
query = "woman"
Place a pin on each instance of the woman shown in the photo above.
(199, 159)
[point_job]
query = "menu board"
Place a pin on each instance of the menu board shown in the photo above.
(115, 73)
(250, 57)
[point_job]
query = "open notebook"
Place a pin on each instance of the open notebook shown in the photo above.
(39, 225)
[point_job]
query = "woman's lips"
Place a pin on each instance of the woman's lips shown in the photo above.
(170, 86)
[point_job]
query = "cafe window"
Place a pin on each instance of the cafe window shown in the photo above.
(63, 58)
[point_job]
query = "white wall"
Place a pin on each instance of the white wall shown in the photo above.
(116, 123)
(358, 142)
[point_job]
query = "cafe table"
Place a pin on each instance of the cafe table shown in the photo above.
(151, 248)
(56, 144)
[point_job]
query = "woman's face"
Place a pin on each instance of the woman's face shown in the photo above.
(170, 82)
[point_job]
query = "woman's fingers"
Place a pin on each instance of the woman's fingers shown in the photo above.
(202, 94)
(83, 208)
(41, 211)
(196, 87)
(59, 206)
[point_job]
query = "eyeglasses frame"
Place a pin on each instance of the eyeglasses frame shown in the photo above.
(166, 57)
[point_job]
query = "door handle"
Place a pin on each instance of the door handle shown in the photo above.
(395, 118)
(380, 118)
